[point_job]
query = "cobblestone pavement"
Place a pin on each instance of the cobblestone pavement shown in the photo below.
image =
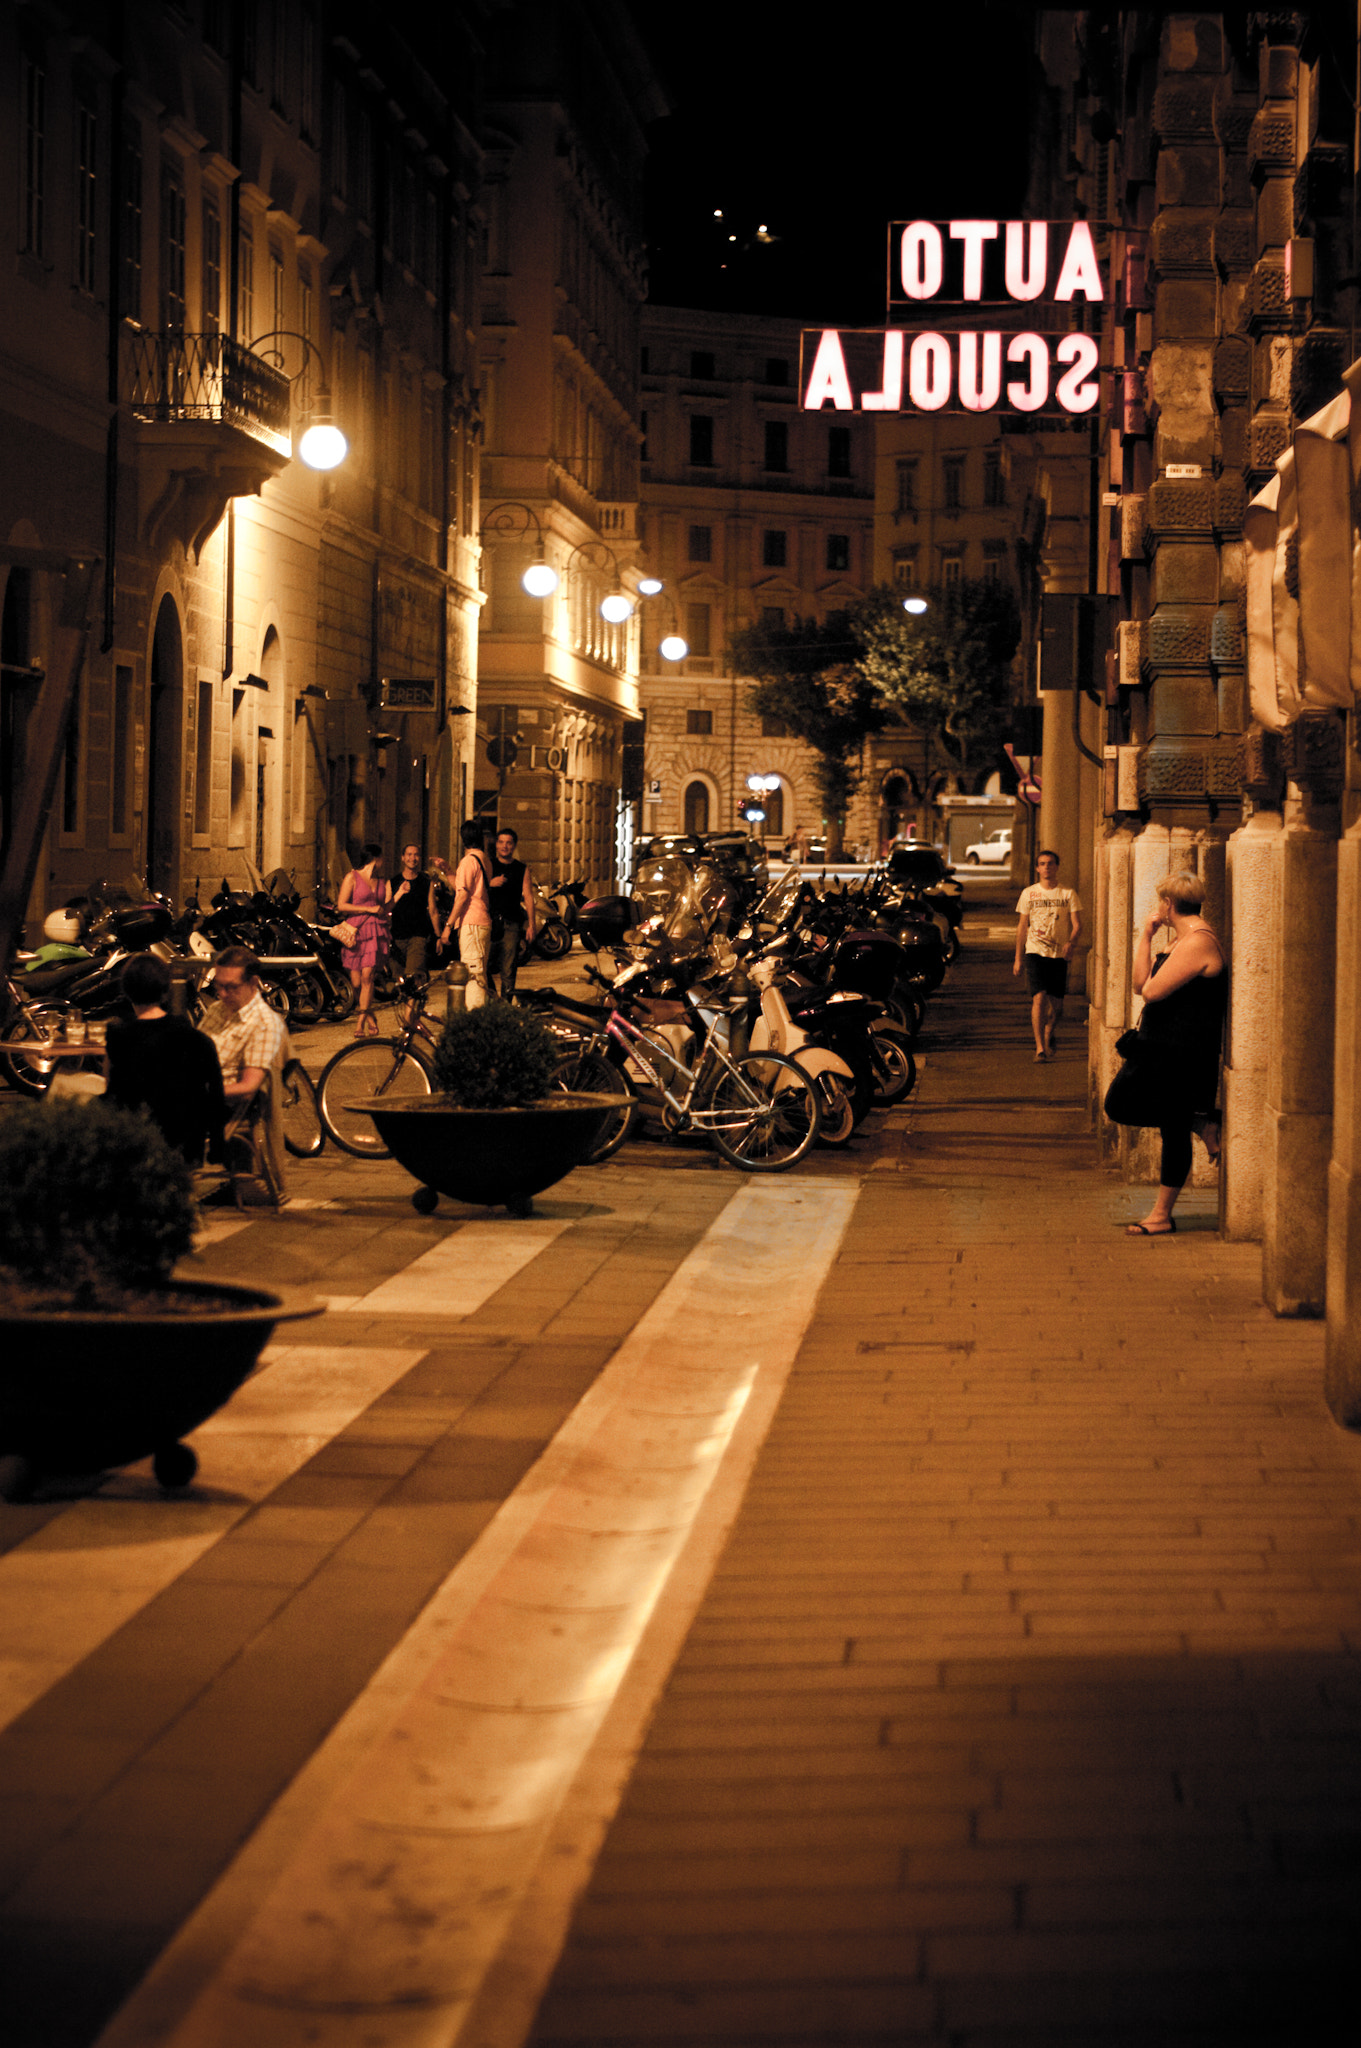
(1004, 1690)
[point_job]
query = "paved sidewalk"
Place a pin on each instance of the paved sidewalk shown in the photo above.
(1023, 1705)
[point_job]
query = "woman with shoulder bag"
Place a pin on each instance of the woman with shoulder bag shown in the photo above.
(1170, 1079)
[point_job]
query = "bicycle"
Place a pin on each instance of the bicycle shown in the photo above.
(759, 1110)
(394, 1069)
(304, 1133)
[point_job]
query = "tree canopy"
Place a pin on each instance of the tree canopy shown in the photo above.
(947, 669)
(810, 675)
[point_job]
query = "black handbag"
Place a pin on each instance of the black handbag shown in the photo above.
(1136, 1096)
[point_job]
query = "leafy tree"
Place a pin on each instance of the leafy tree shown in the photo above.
(809, 674)
(947, 669)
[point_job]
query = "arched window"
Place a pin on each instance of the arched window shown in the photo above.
(697, 807)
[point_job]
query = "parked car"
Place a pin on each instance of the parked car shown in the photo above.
(995, 850)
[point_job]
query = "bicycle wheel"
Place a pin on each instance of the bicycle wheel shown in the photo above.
(588, 1073)
(895, 1065)
(303, 1134)
(769, 1112)
(358, 1073)
(30, 1074)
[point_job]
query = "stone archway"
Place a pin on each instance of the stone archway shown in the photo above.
(697, 806)
(165, 717)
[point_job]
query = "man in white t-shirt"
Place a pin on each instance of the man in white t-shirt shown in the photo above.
(1048, 928)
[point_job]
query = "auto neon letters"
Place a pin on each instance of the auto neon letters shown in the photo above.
(1001, 266)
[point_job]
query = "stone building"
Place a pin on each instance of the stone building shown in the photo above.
(754, 511)
(1218, 150)
(226, 221)
(570, 90)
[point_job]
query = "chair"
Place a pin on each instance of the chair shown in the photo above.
(252, 1149)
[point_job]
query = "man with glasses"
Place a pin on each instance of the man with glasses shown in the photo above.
(251, 1041)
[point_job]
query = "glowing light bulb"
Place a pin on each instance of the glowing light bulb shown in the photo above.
(915, 604)
(650, 586)
(616, 608)
(673, 648)
(540, 579)
(323, 446)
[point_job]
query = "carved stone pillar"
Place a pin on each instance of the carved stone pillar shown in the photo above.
(1298, 1116)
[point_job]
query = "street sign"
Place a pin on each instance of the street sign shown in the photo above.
(502, 753)
(409, 693)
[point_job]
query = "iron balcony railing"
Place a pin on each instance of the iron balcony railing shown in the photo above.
(180, 377)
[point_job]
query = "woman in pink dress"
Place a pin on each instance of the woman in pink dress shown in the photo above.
(364, 901)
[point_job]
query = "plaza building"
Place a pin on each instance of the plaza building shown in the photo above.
(755, 513)
(230, 225)
(570, 89)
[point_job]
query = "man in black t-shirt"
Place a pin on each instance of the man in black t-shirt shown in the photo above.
(413, 931)
(512, 911)
(160, 1064)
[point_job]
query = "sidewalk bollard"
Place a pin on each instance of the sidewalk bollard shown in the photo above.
(456, 979)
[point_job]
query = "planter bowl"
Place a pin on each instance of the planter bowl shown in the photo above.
(84, 1391)
(486, 1156)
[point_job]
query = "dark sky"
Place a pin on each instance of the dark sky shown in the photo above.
(822, 128)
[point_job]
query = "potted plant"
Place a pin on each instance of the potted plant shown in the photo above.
(495, 1131)
(106, 1359)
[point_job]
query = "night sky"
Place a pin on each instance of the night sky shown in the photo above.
(915, 114)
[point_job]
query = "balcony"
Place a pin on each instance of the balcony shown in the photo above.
(212, 423)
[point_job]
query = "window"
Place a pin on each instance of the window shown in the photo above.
(33, 157)
(212, 269)
(70, 767)
(702, 363)
(278, 318)
(907, 486)
(701, 440)
(699, 721)
(642, 452)
(701, 543)
(774, 729)
(644, 363)
(173, 302)
(697, 630)
(951, 569)
(954, 482)
(250, 42)
(203, 763)
(775, 548)
(994, 483)
(87, 193)
(307, 76)
(120, 785)
(777, 370)
(340, 140)
(363, 164)
(992, 564)
(772, 618)
(130, 252)
(238, 796)
(838, 551)
(905, 570)
(777, 445)
(838, 451)
(215, 25)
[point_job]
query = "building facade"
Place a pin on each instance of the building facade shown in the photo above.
(755, 512)
(569, 92)
(225, 223)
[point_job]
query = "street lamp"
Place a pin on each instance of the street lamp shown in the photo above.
(916, 605)
(322, 445)
(514, 521)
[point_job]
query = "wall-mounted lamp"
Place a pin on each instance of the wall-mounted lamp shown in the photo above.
(514, 521)
(322, 446)
(616, 605)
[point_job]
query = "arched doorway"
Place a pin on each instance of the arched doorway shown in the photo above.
(896, 806)
(165, 714)
(697, 807)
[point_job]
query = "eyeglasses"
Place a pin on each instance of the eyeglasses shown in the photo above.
(229, 988)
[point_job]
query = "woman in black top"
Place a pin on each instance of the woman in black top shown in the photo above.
(1185, 993)
(161, 1065)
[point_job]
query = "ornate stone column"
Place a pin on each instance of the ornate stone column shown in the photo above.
(1298, 1122)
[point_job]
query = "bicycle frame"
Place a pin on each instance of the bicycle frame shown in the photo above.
(636, 1046)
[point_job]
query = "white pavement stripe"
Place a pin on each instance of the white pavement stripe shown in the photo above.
(430, 1805)
(68, 1587)
(456, 1276)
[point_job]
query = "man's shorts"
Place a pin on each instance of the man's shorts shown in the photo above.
(1044, 976)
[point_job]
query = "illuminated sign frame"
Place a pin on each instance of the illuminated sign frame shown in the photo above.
(1006, 270)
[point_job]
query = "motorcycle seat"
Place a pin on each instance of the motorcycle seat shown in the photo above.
(48, 981)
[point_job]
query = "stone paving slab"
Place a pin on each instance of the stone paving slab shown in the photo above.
(1023, 1704)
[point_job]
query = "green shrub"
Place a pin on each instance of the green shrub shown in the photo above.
(496, 1057)
(92, 1200)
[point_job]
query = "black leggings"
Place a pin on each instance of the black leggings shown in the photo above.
(1176, 1161)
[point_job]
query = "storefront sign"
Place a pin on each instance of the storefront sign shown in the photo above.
(1017, 270)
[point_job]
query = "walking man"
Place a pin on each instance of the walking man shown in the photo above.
(512, 903)
(1049, 925)
(413, 930)
(471, 914)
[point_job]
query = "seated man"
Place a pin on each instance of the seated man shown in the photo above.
(160, 1064)
(251, 1041)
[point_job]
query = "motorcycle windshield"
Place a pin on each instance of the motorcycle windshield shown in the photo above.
(779, 903)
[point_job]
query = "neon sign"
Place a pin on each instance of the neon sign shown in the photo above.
(1005, 265)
